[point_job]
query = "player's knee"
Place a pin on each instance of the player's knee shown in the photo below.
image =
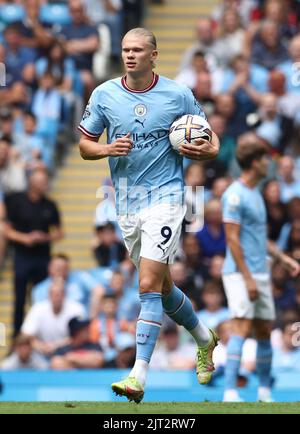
(167, 284)
(241, 327)
(150, 284)
(263, 334)
(166, 288)
(262, 330)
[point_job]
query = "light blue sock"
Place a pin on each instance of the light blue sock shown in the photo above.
(179, 308)
(234, 353)
(148, 325)
(264, 362)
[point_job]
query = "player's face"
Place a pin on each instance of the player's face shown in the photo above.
(138, 54)
(263, 166)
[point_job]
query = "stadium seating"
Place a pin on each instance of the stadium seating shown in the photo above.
(54, 14)
(11, 13)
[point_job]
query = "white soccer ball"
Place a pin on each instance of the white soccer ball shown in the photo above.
(187, 128)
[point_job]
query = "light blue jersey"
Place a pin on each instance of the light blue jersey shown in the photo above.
(245, 206)
(291, 71)
(152, 172)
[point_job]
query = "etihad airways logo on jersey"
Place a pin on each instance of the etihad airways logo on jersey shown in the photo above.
(145, 140)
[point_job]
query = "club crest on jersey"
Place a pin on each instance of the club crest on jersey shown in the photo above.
(87, 112)
(140, 110)
(234, 199)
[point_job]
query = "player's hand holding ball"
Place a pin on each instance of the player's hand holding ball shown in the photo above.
(191, 136)
(120, 147)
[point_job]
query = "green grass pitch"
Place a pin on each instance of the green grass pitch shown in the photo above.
(147, 408)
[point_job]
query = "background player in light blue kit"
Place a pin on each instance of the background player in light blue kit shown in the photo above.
(245, 273)
(137, 111)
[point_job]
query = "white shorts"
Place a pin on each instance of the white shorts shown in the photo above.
(238, 301)
(153, 233)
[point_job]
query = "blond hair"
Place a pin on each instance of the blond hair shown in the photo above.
(140, 31)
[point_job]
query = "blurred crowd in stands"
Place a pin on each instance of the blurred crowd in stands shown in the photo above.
(244, 68)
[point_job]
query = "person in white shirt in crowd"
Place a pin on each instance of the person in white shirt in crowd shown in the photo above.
(230, 37)
(243, 7)
(204, 42)
(12, 170)
(274, 128)
(289, 186)
(188, 76)
(27, 143)
(23, 356)
(107, 12)
(288, 101)
(80, 286)
(170, 354)
(47, 321)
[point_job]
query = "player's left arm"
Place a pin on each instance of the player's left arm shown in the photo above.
(289, 263)
(202, 149)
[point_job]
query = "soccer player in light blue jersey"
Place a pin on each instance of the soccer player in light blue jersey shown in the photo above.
(245, 273)
(137, 111)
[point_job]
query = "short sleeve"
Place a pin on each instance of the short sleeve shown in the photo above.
(11, 205)
(93, 123)
(55, 217)
(192, 105)
(232, 207)
(32, 323)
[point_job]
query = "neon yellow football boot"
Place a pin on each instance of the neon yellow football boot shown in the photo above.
(205, 365)
(131, 388)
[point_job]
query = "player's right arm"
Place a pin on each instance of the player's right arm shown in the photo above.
(232, 233)
(92, 125)
(90, 149)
